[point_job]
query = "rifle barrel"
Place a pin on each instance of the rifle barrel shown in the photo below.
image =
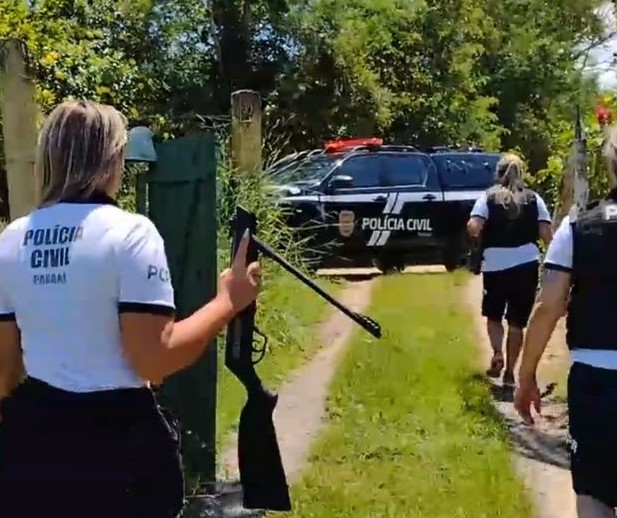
(363, 321)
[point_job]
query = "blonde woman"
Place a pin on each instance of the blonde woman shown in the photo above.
(510, 220)
(580, 265)
(86, 319)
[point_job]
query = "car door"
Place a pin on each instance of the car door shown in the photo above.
(347, 209)
(465, 177)
(411, 218)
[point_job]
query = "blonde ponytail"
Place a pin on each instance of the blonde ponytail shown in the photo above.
(509, 191)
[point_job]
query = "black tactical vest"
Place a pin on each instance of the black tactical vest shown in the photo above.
(592, 310)
(504, 231)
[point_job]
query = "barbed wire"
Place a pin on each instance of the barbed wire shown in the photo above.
(214, 123)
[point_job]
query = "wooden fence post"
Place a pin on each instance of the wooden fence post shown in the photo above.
(566, 195)
(246, 131)
(19, 118)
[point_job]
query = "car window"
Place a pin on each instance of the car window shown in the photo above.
(467, 170)
(304, 170)
(406, 169)
(363, 170)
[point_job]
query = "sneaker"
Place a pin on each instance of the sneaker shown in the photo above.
(496, 367)
(508, 380)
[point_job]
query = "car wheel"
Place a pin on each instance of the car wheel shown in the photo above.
(388, 266)
(451, 265)
(452, 260)
(455, 255)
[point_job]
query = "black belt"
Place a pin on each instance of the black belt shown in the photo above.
(129, 403)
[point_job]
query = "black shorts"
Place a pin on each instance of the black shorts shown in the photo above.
(103, 454)
(592, 405)
(511, 291)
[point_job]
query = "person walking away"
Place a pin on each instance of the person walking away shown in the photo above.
(581, 280)
(509, 219)
(86, 324)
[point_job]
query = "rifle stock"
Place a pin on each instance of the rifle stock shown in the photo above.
(261, 469)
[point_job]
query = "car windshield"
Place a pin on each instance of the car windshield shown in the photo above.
(308, 170)
(467, 170)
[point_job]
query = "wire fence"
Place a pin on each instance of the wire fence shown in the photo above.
(128, 194)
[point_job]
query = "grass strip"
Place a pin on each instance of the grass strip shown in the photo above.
(412, 430)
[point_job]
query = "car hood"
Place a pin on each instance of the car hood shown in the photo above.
(293, 189)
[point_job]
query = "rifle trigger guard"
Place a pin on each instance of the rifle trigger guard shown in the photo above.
(261, 350)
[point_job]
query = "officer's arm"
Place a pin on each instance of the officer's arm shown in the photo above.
(550, 307)
(475, 226)
(154, 344)
(11, 361)
(546, 232)
(545, 228)
(552, 301)
(478, 216)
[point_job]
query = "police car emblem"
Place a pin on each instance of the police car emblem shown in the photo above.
(346, 222)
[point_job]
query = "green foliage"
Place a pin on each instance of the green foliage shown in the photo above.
(499, 73)
(488, 72)
(452, 70)
(72, 51)
(404, 69)
(533, 67)
(252, 191)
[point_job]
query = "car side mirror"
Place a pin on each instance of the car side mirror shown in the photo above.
(340, 181)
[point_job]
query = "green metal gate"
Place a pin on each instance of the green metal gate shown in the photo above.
(178, 193)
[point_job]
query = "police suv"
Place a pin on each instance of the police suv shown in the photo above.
(361, 203)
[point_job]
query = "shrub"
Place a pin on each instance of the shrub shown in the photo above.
(252, 190)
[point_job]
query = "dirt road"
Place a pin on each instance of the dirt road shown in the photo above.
(540, 452)
(373, 272)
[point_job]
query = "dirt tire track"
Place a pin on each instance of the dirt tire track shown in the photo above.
(301, 410)
(540, 455)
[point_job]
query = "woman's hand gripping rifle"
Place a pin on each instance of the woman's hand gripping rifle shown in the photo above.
(261, 469)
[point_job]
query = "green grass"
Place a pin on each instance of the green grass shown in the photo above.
(288, 313)
(412, 432)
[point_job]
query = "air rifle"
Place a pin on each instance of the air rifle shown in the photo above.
(261, 469)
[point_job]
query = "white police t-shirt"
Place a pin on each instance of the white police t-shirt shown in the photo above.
(499, 258)
(559, 257)
(66, 272)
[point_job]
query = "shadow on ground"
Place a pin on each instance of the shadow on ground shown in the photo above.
(547, 440)
(359, 274)
(220, 500)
